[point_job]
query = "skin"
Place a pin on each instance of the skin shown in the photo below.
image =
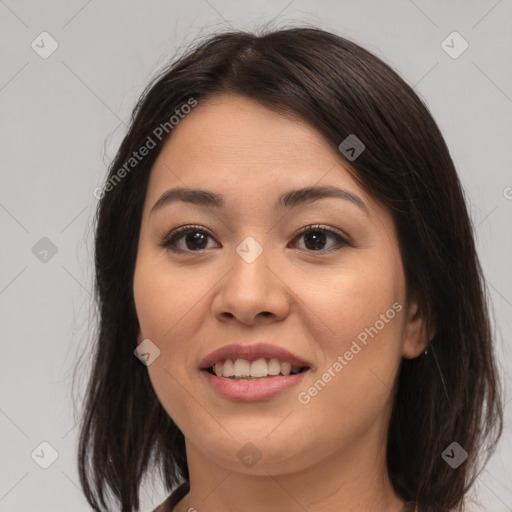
(314, 456)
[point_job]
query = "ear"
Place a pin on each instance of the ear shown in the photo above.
(417, 332)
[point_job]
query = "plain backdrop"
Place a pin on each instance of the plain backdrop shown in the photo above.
(62, 117)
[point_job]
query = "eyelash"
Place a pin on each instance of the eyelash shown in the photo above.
(169, 242)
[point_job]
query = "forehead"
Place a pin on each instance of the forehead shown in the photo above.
(236, 146)
(236, 128)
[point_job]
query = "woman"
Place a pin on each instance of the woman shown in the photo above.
(283, 244)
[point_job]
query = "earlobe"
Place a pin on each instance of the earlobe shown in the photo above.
(417, 332)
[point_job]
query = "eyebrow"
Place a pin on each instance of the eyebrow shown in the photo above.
(289, 199)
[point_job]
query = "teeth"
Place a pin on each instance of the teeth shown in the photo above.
(274, 367)
(260, 368)
(218, 368)
(228, 370)
(242, 368)
(286, 368)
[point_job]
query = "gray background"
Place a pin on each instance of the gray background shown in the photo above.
(61, 121)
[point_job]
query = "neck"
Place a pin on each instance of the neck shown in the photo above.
(351, 478)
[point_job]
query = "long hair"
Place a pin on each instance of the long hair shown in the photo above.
(451, 395)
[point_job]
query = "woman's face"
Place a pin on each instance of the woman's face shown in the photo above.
(333, 297)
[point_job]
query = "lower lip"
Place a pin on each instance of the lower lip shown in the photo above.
(252, 390)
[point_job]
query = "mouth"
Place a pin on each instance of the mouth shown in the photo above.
(259, 369)
(244, 386)
(256, 372)
(257, 361)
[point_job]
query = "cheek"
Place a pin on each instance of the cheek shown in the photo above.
(161, 297)
(361, 295)
(162, 312)
(361, 351)
(352, 387)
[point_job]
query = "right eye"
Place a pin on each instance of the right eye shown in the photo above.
(194, 236)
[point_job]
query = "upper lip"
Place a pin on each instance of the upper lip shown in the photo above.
(251, 353)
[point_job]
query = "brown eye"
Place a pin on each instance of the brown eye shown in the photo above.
(315, 238)
(194, 239)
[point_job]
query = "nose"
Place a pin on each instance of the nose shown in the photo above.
(252, 291)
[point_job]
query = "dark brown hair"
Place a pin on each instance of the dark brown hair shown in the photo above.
(453, 394)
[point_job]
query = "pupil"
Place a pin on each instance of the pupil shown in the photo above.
(317, 239)
(198, 239)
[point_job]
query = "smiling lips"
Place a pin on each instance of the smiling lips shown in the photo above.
(260, 368)
(241, 355)
(252, 372)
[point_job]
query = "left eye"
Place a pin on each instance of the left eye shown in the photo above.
(316, 235)
(196, 237)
